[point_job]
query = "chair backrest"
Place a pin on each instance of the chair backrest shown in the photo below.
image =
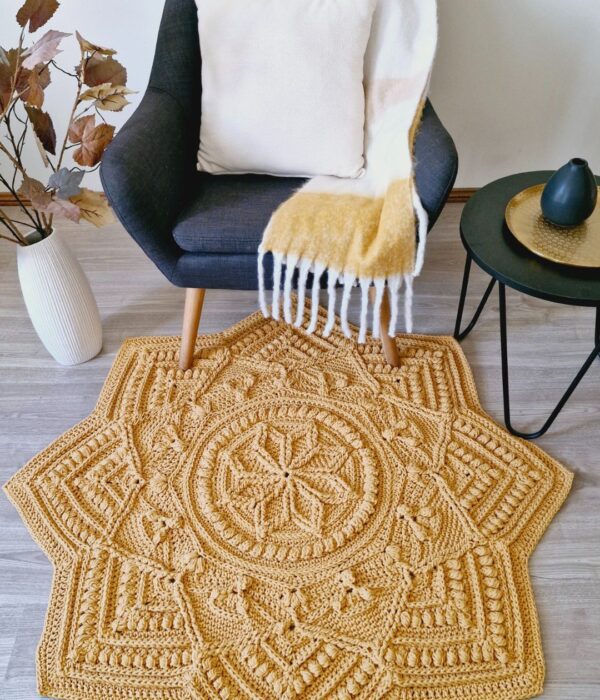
(177, 70)
(177, 66)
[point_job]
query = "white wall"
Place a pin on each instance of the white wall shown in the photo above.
(516, 81)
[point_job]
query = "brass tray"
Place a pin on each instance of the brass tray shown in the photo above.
(578, 246)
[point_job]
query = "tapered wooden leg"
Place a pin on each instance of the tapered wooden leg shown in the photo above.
(389, 345)
(194, 298)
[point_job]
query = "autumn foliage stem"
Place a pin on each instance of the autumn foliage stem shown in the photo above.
(20, 202)
(76, 102)
(19, 162)
(11, 226)
(24, 76)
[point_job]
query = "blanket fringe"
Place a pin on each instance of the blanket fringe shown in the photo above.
(365, 284)
(347, 281)
(290, 267)
(277, 267)
(317, 271)
(262, 297)
(303, 276)
(408, 302)
(422, 230)
(394, 284)
(332, 280)
(379, 290)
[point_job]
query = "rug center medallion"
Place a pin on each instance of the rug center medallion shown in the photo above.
(284, 482)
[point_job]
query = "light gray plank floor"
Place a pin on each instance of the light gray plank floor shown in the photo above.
(39, 400)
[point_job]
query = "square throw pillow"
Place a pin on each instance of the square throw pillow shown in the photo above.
(282, 86)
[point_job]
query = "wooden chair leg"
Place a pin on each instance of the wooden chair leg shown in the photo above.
(194, 299)
(389, 344)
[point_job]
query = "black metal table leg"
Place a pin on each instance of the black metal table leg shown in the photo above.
(505, 379)
(458, 334)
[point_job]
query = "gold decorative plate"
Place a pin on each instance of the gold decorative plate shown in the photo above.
(578, 246)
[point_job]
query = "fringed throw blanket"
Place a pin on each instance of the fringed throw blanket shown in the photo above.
(369, 231)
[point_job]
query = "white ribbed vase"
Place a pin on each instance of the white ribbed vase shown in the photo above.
(59, 300)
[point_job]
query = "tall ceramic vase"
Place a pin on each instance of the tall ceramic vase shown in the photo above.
(59, 300)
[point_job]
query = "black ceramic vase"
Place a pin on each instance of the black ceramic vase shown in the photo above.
(571, 194)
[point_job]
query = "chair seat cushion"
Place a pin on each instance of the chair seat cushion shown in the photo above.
(229, 213)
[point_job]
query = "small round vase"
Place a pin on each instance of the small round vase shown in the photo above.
(59, 300)
(571, 194)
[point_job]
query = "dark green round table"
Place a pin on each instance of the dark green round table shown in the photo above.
(491, 245)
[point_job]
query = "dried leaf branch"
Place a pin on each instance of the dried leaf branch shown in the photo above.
(24, 76)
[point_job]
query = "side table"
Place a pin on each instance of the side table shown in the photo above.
(491, 245)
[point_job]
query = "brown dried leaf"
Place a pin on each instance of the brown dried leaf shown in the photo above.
(6, 75)
(8, 68)
(93, 145)
(93, 48)
(44, 49)
(94, 207)
(94, 93)
(108, 97)
(79, 127)
(64, 208)
(43, 128)
(36, 12)
(37, 81)
(35, 192)
(42, 201)
(26, 82)
(99, 71)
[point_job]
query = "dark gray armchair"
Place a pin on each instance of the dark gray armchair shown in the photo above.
(203, 231)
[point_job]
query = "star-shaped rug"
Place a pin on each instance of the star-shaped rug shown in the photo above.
(290, 518)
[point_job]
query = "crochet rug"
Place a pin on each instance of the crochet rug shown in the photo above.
(291, 518)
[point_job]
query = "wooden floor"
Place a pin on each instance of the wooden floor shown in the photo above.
(39, 400)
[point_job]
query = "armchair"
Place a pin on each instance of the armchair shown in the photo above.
(203, 231)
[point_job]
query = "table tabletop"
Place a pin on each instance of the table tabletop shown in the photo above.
(490, 243)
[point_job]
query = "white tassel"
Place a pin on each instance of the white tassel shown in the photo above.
(423, 220)
(314, 311)
(290, 268)
(262, 300)
(408, 303)
(394, 284)
(379, 290)
(277, 265)
(332, 278)
(348, 283)
(365, 283)
(302, 277)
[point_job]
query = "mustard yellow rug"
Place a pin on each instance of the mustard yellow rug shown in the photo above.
(290, 519)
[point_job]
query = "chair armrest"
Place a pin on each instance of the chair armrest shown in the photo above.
(436, 163)
(146, 172)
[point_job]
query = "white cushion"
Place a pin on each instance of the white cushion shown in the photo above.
(282, 86)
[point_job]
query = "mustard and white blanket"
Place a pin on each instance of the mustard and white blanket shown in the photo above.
(370, 231)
